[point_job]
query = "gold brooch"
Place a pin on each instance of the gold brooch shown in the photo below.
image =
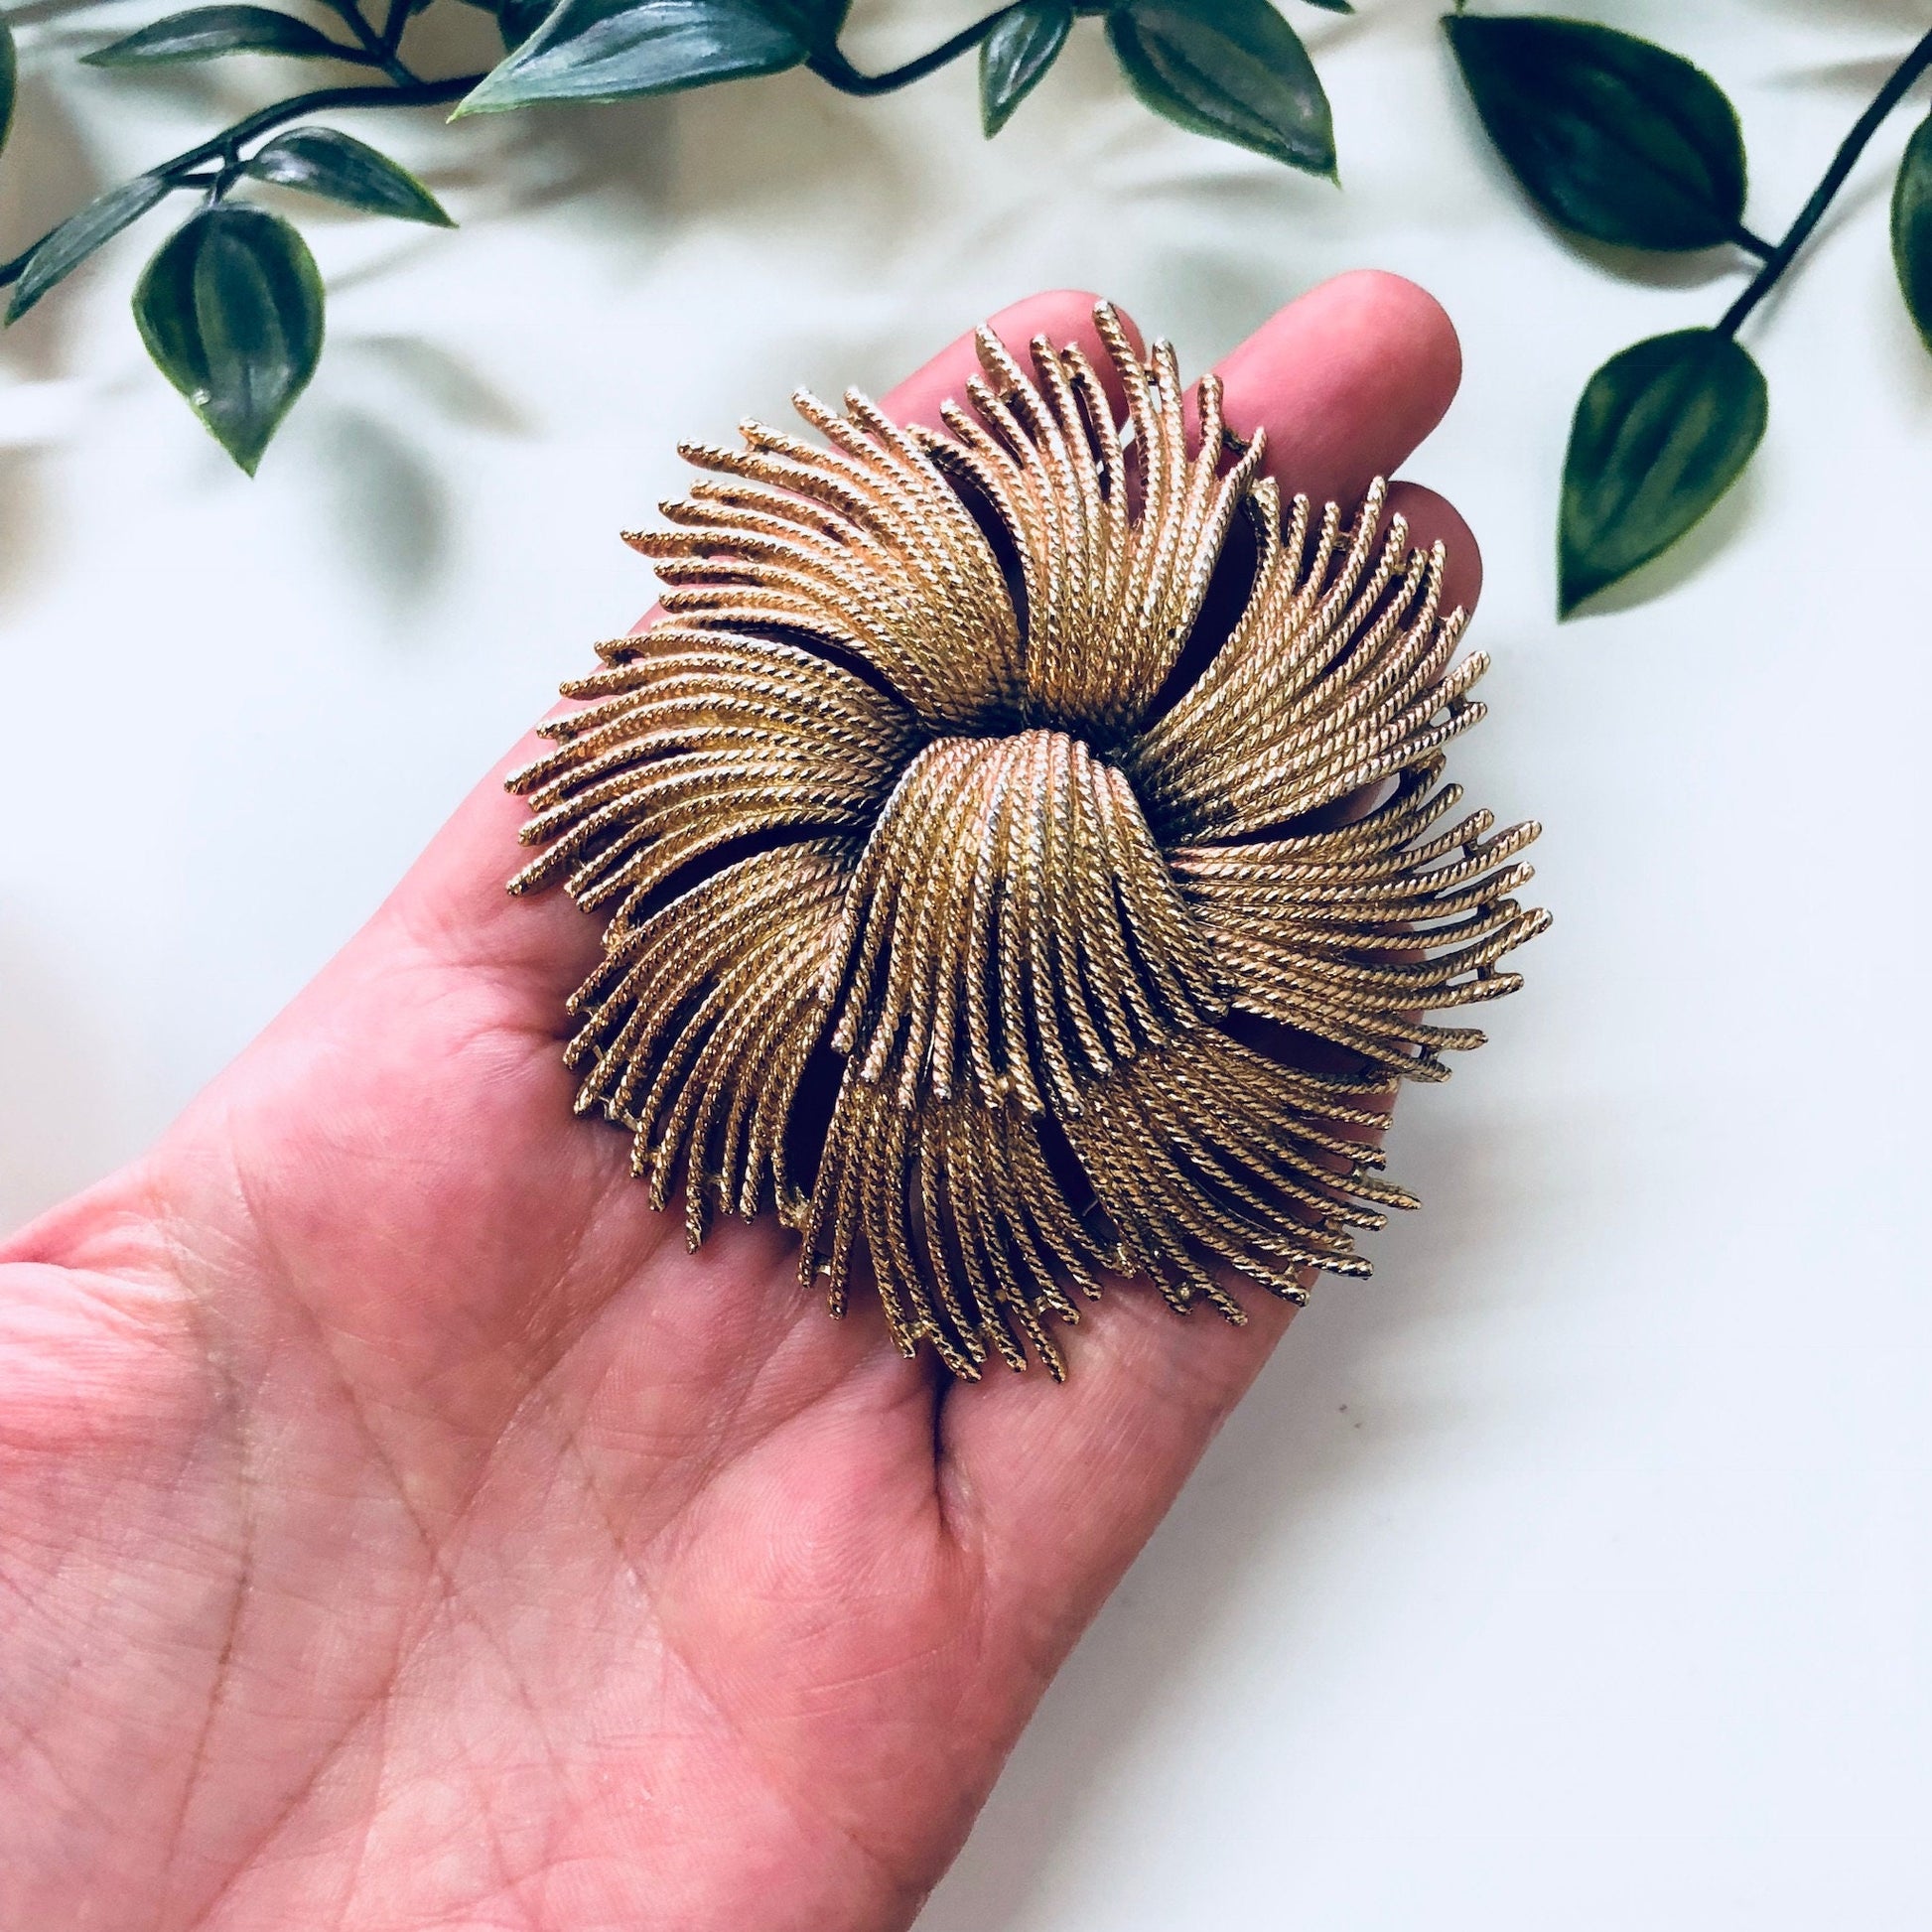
(1023, 855)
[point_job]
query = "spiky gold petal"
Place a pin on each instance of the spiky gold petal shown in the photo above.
(928, 791)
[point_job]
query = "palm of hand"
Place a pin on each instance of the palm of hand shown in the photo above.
(398, 1527)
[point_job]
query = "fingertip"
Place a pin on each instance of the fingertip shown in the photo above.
(1397, 310)
(1433, 518)
(1411, 330)
(1346, 381)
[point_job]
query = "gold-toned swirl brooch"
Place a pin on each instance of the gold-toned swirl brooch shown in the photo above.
(1022, 854)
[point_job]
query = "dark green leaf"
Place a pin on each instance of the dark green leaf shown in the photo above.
(1614, 138)
(318, 160)
(9, 72)
(1015, 55)
(613, 49)
(68, 246)
(231, 310)
(1911, 227)
(1232, 68)
(1661, 432)
(1332, 5)
(518, 20)
(205, 33)
(815, 23)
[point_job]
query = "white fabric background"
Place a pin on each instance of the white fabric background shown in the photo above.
(1575, 1572)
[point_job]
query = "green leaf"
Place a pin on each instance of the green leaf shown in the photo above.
(518, 20)
(208, 33)
(818, 24)
(1661, 432)
(231, 310)
(1232, 68)
(1014, 57)
(1911, 227)
(205, 33)
(9, 75)
(60, 252)
(1332, 5)
(614, 50)
(318, 160)
(1614, 138)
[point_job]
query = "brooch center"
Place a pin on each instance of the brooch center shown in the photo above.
(1013, 928)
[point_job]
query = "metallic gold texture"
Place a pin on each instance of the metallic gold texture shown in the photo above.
(1039, 797)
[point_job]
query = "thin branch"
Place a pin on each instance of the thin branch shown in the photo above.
(1780, 258)
(393, 23)
(417, 93)
(832, 67)
(379, 49)
(226, 148)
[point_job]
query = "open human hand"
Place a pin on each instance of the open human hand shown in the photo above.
(399, 1529)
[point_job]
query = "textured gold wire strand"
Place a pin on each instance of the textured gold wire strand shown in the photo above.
(899, 803)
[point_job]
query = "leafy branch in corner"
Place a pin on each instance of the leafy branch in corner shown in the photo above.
(1618, 141)
(231, 306)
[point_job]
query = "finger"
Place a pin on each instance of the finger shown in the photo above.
(1063, 316)
(1058, 1487)
(451, 904)
(1347, 382)
(1433, 518)
(1290, 377)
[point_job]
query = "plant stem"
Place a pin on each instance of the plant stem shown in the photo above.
(378, 50)
(226, 148)
(393, 23)
(832, 67)
(418, 93)
(1916, 63)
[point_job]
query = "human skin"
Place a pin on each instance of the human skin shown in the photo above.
(400, 1530)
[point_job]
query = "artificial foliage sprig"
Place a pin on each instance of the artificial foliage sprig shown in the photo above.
(1617, 140)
